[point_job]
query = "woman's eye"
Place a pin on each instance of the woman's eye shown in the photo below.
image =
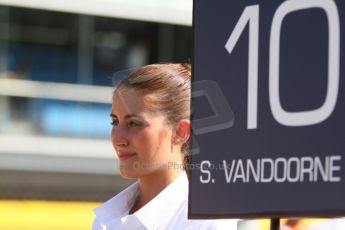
(134, 123)
(114, 122)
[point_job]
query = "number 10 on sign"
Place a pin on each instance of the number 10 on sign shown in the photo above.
(302, 118)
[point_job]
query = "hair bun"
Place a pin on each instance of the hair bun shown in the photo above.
(187, 67)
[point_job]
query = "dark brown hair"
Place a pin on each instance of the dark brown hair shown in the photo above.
(170, 84)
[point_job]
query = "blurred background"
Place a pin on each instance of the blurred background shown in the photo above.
(57, 59)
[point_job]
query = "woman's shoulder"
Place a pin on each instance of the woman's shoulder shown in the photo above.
(230, 224)
(217, 224)
(181, 221)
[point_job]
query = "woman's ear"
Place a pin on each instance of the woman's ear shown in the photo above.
(182, 132)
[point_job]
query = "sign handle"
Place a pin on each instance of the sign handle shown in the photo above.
(275, 224)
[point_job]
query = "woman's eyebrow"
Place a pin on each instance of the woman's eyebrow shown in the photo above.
(127, 116)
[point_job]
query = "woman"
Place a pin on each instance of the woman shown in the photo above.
(151, 130)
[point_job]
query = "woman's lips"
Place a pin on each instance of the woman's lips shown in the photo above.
(125, 155)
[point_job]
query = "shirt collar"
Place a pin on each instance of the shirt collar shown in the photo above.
(159, 210)
(118, 205)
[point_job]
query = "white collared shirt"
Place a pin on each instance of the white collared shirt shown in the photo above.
(168, 210)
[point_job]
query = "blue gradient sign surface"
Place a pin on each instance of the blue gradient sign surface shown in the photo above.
(268, 109)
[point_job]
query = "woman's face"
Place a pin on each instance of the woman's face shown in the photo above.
(141, 138)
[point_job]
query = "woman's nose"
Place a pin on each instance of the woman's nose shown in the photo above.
(119, 136)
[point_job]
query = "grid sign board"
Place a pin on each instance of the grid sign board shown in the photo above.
(268, 109)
